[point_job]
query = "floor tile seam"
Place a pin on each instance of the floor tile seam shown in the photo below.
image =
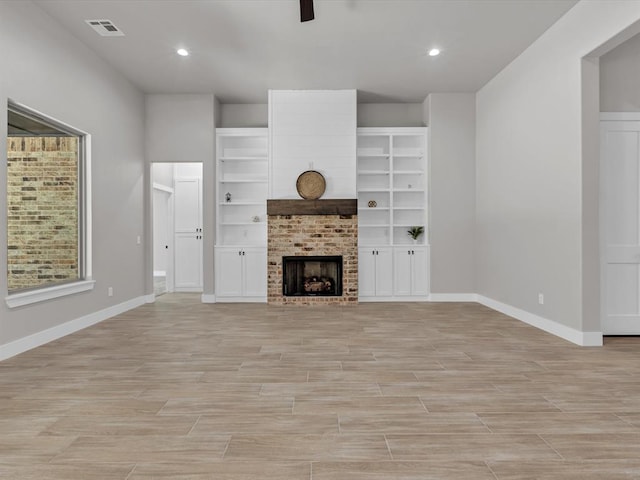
(133, 469)
(386, 441)
(63, 450)
(226, 447)
(194, 424)
(553, 404)
(486, 462)
(479, 417)
(541, 436)
(618, 416)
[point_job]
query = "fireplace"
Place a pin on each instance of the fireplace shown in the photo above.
(310, 231)
(312, 276)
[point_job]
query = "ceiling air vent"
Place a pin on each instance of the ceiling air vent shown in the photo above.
(106, 28)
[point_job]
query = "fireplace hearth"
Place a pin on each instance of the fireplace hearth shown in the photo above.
(312, 276)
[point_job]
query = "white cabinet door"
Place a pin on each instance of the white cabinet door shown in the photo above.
(255, 272)
(188, 262)
(366, 272)
(384, 272)
(402, 271)
(375, 277)
(620, 193)
(229, 272)
(411, 271)
(188, 217)
(419, 271)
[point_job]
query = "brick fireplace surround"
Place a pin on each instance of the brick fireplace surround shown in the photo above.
(312, 228)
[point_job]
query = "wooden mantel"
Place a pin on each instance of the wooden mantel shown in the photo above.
(330, 206)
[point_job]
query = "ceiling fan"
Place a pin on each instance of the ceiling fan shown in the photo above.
(306, 10)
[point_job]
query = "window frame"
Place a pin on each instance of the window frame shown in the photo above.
(84, 282)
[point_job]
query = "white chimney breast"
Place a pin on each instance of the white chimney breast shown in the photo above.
(313, 127)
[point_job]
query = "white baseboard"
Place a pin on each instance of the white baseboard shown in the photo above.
(21, 345)
(584, 339)
(453, 297)
(241, 300)
(150, 298)
(208, 298)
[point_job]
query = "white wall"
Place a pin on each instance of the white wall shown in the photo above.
(530, 169)
(250, 115)
(369, 115)
(312, 130)
(181, 128)
(452, 192)
(390, 115)
(47, 69)
(620, 78)
(162, 173)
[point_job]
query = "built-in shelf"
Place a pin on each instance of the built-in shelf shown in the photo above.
(240, 204)
(373, 172)
(249, 180)
(243, 159)
(236, 224)
(242, 170)
(392, 172)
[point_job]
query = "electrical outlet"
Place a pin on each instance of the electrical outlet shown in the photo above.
(541, 299)
(138, 239)
(110, 291)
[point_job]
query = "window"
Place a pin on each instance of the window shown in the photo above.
(46, 202)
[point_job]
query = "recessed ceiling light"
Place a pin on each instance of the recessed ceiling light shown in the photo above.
(182, 52)
(434, 52)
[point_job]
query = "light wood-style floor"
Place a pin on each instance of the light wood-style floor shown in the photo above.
(179, 389)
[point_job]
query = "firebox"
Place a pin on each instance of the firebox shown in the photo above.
(312, 276)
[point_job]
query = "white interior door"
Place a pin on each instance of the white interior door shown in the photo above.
(620, 220)
(188, 235)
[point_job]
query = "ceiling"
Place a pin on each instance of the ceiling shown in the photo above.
(241, 48)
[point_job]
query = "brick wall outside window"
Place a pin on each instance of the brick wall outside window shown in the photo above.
(42, 220)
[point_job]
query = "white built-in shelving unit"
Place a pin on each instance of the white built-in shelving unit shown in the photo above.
(242, 176)
(392, 197)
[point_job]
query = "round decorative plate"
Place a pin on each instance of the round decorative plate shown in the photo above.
(310, 185)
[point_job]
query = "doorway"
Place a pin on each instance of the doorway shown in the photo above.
(620, 223)
(177, 227)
